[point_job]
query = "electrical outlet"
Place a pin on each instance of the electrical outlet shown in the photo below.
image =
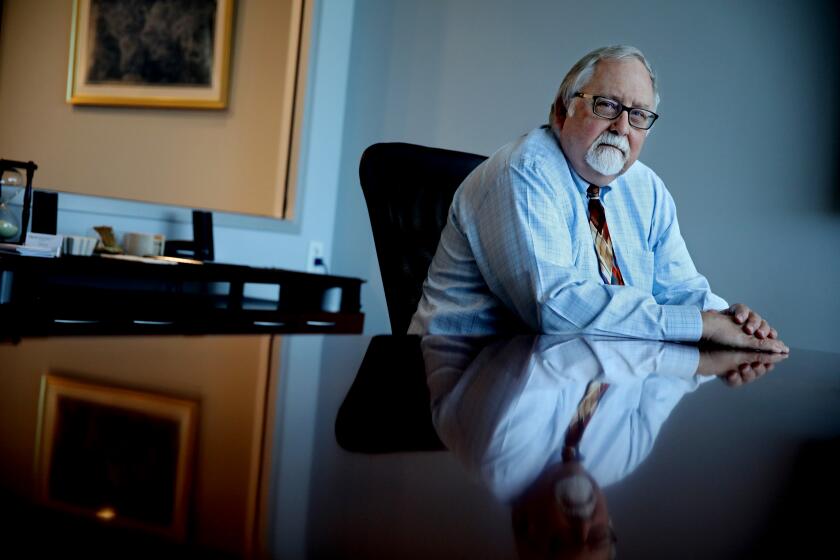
(316, 251)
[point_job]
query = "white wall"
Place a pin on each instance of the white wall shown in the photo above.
(745, 144)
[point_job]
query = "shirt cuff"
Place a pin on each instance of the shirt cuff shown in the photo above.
(682, 323)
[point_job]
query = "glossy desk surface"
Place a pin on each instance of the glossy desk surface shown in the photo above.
(393, 447)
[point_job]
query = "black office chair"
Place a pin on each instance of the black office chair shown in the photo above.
(387, 408)
(408, 190)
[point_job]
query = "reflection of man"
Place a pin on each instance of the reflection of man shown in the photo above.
(506, 413)
(563, 514)
(564, 231)
(546, 422)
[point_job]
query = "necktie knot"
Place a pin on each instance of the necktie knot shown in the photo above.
(593, 192)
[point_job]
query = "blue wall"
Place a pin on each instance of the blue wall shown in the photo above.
(744, 144)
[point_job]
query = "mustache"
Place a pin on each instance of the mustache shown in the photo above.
(612, 139)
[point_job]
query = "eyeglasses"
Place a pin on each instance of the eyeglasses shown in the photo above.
(610, 109)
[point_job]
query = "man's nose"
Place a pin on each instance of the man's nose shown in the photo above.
(621, 124)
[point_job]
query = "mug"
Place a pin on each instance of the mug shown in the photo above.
(144, 244)
(78, 245)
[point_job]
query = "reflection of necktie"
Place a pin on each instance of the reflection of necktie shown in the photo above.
(601, 236)
(586, 408)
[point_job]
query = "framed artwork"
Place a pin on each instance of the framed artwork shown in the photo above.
(150, 53)
(122, 456)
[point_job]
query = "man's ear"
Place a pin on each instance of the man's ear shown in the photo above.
(559, 115)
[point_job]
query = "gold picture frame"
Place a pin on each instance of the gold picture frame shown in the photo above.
(170, 54)
(122, 456)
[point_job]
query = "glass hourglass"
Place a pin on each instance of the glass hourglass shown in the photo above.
(11, 185)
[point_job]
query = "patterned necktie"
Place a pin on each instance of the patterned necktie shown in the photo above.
(611, 275)
(586, 408)
(601, 236)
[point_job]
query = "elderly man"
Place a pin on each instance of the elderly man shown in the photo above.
(564, 231)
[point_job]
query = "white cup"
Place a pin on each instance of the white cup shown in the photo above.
(144, 244)
(331, 300)
(78, 245)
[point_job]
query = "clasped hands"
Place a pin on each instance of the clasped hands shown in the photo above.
(737, 367)
(741, 327)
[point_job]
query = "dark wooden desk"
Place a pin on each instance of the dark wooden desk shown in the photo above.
(689, 466)
(102, 296)
(389, 448)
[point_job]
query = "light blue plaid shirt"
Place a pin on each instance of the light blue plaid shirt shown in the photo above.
(517, 255)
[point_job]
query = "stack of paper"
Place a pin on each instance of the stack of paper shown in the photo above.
(40, 245)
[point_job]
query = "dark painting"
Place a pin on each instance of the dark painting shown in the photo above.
(152, 42)
(115, 458)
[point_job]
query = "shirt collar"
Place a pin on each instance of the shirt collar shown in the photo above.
(582, 185)
(579, 181)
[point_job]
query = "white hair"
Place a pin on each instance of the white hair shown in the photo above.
(582, 72)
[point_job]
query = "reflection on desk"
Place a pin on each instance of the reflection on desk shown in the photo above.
(397, 447)
(506, 419)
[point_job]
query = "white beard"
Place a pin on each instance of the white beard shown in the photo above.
(608, 160)
(576, 496)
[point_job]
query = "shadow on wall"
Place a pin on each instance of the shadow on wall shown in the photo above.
(389, 98)
(363, 113)
(834, 83)
(835, 199)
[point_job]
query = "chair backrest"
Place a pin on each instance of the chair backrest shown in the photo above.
(408, 190)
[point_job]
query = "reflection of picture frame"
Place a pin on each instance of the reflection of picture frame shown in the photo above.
(152, 53)
(122, 456)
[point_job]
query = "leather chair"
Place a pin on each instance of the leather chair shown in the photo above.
(387, 413)
(408, 190)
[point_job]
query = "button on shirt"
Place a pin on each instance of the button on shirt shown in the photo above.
(517, 254)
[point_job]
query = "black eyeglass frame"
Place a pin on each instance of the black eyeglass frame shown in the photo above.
(595, 99)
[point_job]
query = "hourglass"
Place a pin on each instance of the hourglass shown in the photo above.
(12, 227)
